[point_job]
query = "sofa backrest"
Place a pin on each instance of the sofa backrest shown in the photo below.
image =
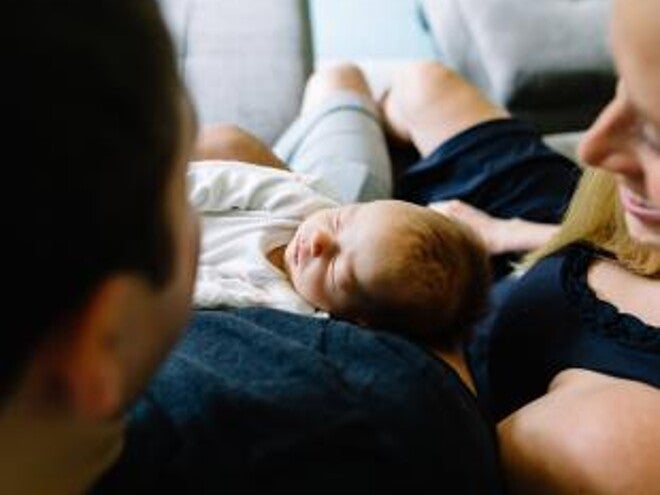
(245, 62)
(545, 60)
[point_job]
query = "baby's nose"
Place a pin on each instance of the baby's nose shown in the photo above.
(321, 243)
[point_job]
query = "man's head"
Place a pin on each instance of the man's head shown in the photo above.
(391, 265)
(99, 129)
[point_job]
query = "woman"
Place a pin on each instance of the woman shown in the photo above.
(574, 345)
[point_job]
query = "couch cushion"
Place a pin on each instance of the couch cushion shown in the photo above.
(245, 62)
(546, 60)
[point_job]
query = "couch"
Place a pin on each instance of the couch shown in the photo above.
(246, 61)
(546, 61)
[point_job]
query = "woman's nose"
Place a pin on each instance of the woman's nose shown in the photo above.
(609, 141)
(321, 243)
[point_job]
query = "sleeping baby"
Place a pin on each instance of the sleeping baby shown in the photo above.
(276, 238)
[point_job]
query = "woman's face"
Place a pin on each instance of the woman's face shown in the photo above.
(625, 139)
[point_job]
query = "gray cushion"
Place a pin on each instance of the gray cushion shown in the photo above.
(547, 60)
(245, 62)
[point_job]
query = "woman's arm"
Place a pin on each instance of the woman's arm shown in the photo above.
(230, 142)
(590, 433)
(499, 235)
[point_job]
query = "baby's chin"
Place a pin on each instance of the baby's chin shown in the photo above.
(299, 286)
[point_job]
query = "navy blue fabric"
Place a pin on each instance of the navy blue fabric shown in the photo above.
(500, 166)
(257, 398)
(550, 320)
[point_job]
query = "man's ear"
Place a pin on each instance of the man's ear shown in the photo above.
(90, 360)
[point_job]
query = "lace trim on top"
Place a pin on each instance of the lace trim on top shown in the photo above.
(600, 316)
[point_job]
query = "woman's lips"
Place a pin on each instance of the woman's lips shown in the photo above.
(638, 207)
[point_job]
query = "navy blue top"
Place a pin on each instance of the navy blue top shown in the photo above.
(257, 398)
(551, 320)
(500, 166)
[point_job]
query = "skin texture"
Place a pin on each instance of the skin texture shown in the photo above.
(429, 103)
(590, 434)
(498, 235)
(230, 142)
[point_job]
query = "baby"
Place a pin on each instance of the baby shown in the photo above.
(275, 238)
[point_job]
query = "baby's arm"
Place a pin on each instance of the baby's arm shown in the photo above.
(499, 235)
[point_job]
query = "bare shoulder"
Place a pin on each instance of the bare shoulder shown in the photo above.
(591, 433)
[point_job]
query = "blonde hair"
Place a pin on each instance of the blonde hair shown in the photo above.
(595, 217)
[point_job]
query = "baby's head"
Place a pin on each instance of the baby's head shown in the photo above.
(391, 265)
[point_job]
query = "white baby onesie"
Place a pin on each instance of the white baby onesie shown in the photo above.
(247, 211)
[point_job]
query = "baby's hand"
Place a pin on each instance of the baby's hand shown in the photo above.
(489, 228)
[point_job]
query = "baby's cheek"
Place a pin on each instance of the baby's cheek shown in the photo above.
(307, 286)
(317, 286)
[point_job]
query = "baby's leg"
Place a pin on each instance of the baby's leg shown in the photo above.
(428, 103)
(229, 142)
(338, 136)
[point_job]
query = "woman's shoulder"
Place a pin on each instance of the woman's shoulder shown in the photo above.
(579, 434)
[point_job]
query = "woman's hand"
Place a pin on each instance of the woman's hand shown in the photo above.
(487, 227)
(499, 235)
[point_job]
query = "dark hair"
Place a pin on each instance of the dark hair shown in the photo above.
(92, 111)
(445, 272)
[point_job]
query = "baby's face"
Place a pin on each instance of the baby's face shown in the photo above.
(337, 254)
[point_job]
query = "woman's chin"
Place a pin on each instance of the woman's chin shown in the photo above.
(643, 233)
